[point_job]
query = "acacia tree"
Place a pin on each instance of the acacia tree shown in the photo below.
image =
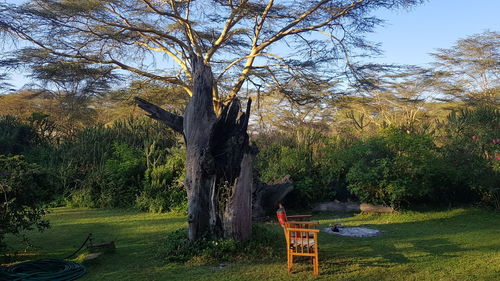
(209, 48)
(396, 96)
(470, 70)
(4, 86)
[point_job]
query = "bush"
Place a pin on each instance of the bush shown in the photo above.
(334, 162)
(297, 158)
(24, 189)
(116, 183)
(16, 137)
(472, 149)
(163, 188)
(396, 169)
(106, 166)
(123, 172)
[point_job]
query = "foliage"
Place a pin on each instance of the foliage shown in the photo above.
(102, 166)
(473, 150)
(136, 162)
(105, 166)
(163, 187)
(178, 248)
(469, 70)
(115, 183)
(24, 189)
(130, 35)
(123, 173)
(16, 137)
(294, 155)
(395, 169)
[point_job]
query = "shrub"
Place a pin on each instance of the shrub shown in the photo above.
(276, 161)
(105, 166)
(123, 173)
(15, 136)
(334, 162)
(115, 184)
(24, 189)
(395, 169)
(163, 188)
(472, 149)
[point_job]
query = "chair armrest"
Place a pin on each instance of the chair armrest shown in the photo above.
(303, 222)
(299, 217)
(302, 230)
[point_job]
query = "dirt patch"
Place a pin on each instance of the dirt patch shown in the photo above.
(352, 231)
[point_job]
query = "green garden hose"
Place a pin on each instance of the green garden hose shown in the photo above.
(43, 270)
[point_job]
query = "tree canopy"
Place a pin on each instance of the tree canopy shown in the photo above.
(470, 70)
(285, 44)
(294, 48)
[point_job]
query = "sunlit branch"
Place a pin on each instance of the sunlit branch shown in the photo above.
(253, 52)
(230, 22)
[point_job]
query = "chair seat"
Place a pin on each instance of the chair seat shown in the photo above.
(304, 235)
(302, 243)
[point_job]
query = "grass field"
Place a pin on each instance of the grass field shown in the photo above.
(459, 244)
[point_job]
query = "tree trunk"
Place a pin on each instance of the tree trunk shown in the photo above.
(200, 182)
(218, 160)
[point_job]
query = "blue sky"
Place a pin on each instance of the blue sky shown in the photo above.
(408, 36)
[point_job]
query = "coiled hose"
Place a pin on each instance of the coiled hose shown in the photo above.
(43, 270)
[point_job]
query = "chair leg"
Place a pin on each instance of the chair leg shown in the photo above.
(290, 262)
(315, 265)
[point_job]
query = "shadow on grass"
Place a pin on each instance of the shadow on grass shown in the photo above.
(135, 234)
(408, 242)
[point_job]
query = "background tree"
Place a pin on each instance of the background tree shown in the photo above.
(5, 87)
(470, 70)
(396, 98)
(24, 188)
(275, 111)
(69, 86)
(119, 103)
(217, 46)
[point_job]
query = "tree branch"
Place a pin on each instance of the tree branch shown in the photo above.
(251, 57)
(230, 23)
(144, 30)
(175, 122)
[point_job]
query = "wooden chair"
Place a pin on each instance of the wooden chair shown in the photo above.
(301, 239)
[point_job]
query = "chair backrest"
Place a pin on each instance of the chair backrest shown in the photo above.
(281, 214)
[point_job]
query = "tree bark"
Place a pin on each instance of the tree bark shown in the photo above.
(160, 114)
(200, 182)
(218, 160)
(238, 213)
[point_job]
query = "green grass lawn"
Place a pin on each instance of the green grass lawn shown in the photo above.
(460, 244)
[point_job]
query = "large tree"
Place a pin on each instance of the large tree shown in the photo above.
(469, 71)
(210, 49)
